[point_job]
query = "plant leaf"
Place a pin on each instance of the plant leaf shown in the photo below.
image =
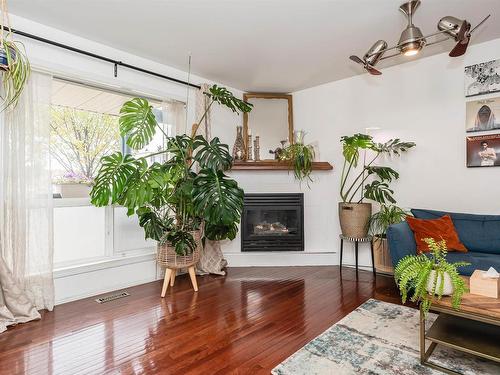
(111, 181)
(137, 123)
(213, 154)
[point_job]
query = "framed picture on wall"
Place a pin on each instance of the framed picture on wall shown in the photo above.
(482, 115)
(483, 78)
(483, 151)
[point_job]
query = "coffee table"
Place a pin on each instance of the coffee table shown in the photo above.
(474, 329)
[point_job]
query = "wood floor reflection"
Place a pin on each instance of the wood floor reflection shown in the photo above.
(244, 323)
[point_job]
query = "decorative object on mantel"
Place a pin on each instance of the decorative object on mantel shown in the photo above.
(239, 145)
(378, 224)
(256, 148)
(176, 205)
(299, 156)
(15, 67)
(485, 283)
(249, 152)
(483, 78)
(354, 214)
(277, 151)
(412, 40)
(426, 278)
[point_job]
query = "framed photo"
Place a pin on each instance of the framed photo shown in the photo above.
(483, 78)
(482, 115)
(483, 151)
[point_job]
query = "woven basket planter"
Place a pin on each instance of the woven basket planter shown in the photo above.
(354, 218)
(167, 257)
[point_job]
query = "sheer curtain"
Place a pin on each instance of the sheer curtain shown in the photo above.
(26, 233)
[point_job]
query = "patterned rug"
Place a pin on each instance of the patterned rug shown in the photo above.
(377, 338)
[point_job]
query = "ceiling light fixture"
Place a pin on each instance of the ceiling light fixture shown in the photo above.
(412, 39)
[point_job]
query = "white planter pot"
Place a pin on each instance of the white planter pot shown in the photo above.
(448, 286)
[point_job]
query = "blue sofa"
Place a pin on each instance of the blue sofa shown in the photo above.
(479, 233)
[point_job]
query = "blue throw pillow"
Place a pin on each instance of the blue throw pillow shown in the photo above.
(479, 233)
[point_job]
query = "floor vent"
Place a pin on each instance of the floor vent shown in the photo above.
(112, 297)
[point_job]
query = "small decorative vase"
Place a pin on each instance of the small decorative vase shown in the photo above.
(298, 136)
(447, 286)
(249, 148)
(256, 148)
(239, 145)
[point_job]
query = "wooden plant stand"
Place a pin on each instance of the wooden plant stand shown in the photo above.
(170, 274)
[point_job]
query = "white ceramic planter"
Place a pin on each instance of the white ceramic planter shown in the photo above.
(448, 286)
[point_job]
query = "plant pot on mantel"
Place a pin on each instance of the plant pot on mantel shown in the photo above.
(354, 218)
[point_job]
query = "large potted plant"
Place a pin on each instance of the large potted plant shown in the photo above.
(388, 214)
(15, 67)
(368, 182)
(424, 278)
(181, 200)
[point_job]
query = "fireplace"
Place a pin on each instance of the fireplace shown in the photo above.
(273, 222)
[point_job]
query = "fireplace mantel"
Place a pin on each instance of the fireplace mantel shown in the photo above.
(275, 165)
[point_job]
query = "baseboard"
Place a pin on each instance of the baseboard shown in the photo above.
(281, 259)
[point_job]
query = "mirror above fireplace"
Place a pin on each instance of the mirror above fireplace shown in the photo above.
(271, 119)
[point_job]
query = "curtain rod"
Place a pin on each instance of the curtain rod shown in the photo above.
(116, 63)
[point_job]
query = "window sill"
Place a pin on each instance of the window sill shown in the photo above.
(102, 264)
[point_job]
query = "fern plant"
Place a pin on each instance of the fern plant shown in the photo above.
(414, 273)
(386, 216)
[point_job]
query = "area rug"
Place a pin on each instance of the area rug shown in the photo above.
(377, 338)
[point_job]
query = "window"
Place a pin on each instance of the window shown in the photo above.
(84, 128)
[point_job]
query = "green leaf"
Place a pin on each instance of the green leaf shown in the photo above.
(224, 97)
(154, 226)
(352, 144)
(383, 173)
(214, 155)
(137, 123)
(182, 241)
(393, 147)
(217, 198)
(217, 232)
(15, 77)
(111, 181)
(379, 192)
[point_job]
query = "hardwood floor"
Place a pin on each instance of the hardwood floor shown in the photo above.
(244, 323)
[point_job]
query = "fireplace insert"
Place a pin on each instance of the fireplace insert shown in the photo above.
(273, 222)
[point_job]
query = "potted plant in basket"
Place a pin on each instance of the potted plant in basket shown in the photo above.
(426, 278)
(15, 67)
(388, 214)
(371, 182)
(181, 200)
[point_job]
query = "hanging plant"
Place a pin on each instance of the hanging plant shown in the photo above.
(14, 64)
(300, 157)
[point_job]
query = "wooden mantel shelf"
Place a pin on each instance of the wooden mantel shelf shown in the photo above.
(274, 165)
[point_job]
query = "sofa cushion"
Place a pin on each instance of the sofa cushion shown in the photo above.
(440, 228)
(479, 233)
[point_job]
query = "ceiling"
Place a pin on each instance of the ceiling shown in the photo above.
(273, 45)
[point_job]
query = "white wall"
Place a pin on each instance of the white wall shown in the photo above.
(421, 101)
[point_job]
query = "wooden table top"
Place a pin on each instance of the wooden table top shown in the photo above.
(474, 304)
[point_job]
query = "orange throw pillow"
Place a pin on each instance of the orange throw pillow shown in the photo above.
(438, 229)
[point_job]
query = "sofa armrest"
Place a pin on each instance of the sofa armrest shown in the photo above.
(401, 242)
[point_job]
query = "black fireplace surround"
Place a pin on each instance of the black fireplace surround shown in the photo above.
(273, 222)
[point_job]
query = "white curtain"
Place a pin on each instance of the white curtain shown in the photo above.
(26, 212)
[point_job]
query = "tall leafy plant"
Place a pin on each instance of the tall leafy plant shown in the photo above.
(372, 181)
(173, 198)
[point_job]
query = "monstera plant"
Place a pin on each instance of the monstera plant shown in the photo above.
(187, 191)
